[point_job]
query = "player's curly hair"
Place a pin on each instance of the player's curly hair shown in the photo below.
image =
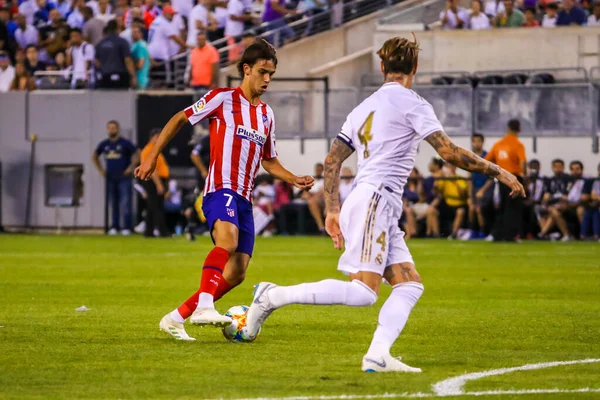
(399, 55)
(259, 50)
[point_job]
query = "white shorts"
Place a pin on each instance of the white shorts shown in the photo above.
(372, 237)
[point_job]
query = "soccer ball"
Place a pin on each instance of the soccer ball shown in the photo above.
(236, 332)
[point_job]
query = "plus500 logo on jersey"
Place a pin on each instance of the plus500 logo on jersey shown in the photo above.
(251, 134)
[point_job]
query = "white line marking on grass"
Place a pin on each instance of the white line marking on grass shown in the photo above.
(454, 386)
(426, 395)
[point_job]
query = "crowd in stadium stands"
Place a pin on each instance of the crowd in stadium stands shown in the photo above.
(519, 13)
(63, 44)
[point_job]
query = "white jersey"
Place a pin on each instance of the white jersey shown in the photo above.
(386, 130)
(159, 38)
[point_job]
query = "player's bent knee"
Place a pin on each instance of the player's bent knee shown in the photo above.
(361, 295)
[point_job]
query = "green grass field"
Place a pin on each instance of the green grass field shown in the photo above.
(485, 306)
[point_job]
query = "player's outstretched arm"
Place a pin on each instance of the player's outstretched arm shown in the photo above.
(145, 170)
(275, 168)
(470, 161)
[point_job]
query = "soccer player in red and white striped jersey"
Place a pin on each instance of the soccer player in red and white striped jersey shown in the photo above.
(242, 138)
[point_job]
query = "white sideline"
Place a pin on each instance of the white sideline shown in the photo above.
(454, 386)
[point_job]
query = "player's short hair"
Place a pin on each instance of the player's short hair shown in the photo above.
(558, 161)
(535, 161)
(399, 55)
(514, 125)
(576, 162)
(438, 161)
(259, 50)
(114, 122)
(478, 135)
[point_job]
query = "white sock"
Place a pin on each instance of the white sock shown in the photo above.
(175, 316)
(205, 300)
(393, 316)
(327, 292)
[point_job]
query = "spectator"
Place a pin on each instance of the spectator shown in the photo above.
(60, 60)
(22, 82)
(32, 63)
(122, 9)
(454, 16)
(453, 193)
(200, 157)
(248, 38)
(590, 197)
(509, 153)
(198, 21)
(155, 189)
(264, 199)
(80, 56)
(113, 61)
(346, 183)
(136, 11)
(63, 7)
(594, 19)
(312, 10)
(410, 197)
(173, 207)
(532, 204)
(93, 28)
(315, 198)
(203, 65)
(25, 34)
(120, 157)
(7, 72)
(494, 7)
(141, 58)
(274, 15)
(567, 213)
(571, 14)
(550, 17)
(511, 17)
(555, 188)
(530, 21)
(238, 16)
(164, 43)
(10, 26)
(221, 16)
(42, 15)
(152, 8)
(481, 194)
(54, 37)
(28, 8)
(477, 19)
(257, 8)
(183, 7)
(104, 12)
(179, 24)
(436, 166)
(53, 81)
(75, 18)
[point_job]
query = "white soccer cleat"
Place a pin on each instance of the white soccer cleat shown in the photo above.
(386, 364)
(125, 232)
(209, 316)
(174, 328)
(113, 232)
(260, 308)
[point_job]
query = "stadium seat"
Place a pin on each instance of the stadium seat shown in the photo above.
(465, 80)
(515, 79)
(543, 78)
(442, 80)
(491, 80)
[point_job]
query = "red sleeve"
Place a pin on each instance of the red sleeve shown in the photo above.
(205, 107)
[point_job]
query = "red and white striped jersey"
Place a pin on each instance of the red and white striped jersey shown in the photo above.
(241, 135)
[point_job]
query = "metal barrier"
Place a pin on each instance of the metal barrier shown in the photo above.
(544, 110)
(572, 75)
(426, 13)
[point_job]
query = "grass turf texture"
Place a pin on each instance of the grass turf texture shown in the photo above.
(485, 306)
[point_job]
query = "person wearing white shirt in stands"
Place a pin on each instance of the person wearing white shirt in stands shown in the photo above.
(494, 7)
(7, 72)
(25, 34)
(477, 19)
(594, 19)
(28, 8)
(164, 41)
(346, 183)
(237, 16)
(549, 20)
(80, 55)
(103, 11)
(183, 7)
(454, 17)
(75, 18)
(197, 21)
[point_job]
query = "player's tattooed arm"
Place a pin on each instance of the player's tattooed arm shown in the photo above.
(339, 152)
(470, 161)
(461, 157)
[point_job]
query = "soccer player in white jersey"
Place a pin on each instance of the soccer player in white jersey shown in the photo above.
(385, 130)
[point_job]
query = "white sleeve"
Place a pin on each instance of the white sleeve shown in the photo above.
(205, 107)
(345, 134)
(269, 149)
(423, 120)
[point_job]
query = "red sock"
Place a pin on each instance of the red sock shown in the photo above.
(222, 290)
(188, 306)
(212, 272)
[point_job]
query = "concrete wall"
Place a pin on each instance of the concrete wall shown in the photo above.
(69, 125)
(500, 48)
